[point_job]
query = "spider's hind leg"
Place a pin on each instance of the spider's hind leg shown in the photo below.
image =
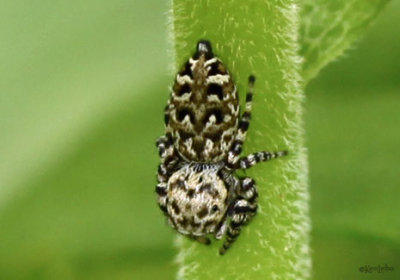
(243, 126)
(169, 159)
(253, 159)
(165, 147)
(243, 209)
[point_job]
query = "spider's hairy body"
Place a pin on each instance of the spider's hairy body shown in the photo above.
(197, 199)
(203, 110)
(200, 151)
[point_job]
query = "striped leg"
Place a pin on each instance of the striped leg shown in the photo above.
(168, 161)
(165, 147)
(243, 126)
(253, 159)
(242, 211)
(161, 188)
(169, 157)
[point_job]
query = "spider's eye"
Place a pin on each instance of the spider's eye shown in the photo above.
(214, 208)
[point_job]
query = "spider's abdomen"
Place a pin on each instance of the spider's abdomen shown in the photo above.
(196, 201)
(202, 113)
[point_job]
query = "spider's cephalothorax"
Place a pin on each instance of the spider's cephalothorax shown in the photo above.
(197, 188)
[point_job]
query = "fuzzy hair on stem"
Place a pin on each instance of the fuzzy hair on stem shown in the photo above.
(260, 38)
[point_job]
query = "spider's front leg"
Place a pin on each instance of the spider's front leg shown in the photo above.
(169, 159)
(242, 210)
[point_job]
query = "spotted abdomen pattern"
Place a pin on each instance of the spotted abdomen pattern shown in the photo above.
(196, 201)
(202, 112)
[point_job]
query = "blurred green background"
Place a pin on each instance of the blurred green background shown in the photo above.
(82, 89)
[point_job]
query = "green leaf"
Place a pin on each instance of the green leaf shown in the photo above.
(329, 27)
(260, 38)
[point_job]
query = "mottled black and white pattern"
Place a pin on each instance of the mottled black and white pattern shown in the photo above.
(197, 189)
(202, 113)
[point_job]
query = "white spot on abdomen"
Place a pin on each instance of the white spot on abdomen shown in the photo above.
(218, 79)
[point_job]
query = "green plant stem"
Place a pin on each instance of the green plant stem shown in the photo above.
(260, 38)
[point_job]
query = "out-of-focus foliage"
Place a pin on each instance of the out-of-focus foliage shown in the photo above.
(82, 88)
(328, 28)
(80, 108)
(352, 131)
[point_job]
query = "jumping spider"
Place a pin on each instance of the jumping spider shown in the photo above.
(200, 151)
